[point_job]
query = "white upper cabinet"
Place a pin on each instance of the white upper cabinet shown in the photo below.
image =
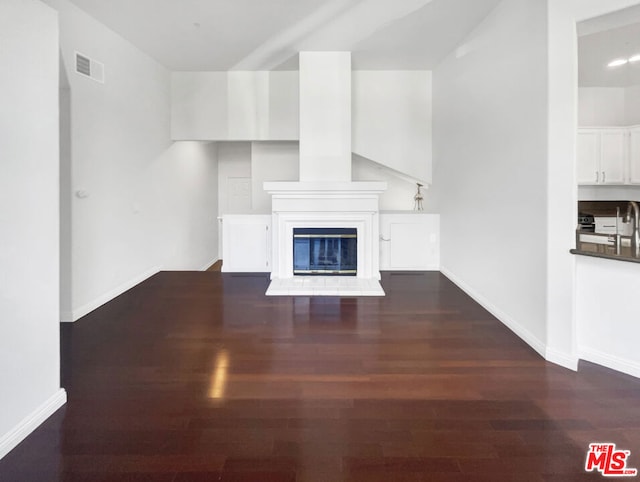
(588, 157)
(613, 156)
(602, 155)
(634, 155)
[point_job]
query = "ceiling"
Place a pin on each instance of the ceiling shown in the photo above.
(604, 39)
(220, 35)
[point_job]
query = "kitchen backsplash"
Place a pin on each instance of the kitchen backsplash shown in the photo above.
(602, 208)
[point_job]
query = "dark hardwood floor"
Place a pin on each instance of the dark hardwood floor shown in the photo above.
(197, 376)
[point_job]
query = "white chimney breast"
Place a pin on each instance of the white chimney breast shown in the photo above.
(325, 116)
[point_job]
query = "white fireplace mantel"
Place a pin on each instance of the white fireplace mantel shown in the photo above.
(320, 187)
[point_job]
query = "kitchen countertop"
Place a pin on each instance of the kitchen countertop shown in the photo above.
(617, 257)
(600, 245)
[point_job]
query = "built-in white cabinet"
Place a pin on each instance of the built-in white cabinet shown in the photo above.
(246, 243)
(409, 241)
(602, 155)
(613, 156)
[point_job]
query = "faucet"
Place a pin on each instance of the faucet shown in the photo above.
(635, 234)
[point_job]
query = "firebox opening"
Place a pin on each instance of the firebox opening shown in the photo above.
(325, 251)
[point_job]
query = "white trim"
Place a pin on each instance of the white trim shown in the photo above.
(31, 422)
(562, 359)
(105, 298)
(210, 264)
(66, 316)
(629, 367)
(510, 323)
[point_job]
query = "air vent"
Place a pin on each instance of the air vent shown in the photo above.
(89, 68)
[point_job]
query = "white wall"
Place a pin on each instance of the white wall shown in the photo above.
(199, 106)
(149, 204)
(66, 197)
(183, 206)
(608, 193)
(234, 178)
(243, 169)
(245, 166)
(392, 120)
(602, 106)
(608, 106)
(29, 258)
(400, 189)
(271, 161)
(490, 173)
(632, 105)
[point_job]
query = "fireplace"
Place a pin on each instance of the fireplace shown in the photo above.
(302, 210)
(325, 251)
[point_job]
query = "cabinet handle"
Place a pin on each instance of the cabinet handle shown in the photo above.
(604, 177)
(597, 177)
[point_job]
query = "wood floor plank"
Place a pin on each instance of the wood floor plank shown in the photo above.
(194, 376)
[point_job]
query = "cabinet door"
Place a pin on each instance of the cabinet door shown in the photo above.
(613, 154)
(408, 246)
(634, 156)
(246, 245)
(588, 154)
(410, 242)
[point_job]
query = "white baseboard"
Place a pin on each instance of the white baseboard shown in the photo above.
(210, 264)
(66, 316)
(87, 308)
(629, 367)
(11, 439)
(531, 340)
(562, 359)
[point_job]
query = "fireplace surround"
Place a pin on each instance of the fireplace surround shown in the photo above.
(336, 205)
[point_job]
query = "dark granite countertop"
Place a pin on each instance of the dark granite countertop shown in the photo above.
(617, 257)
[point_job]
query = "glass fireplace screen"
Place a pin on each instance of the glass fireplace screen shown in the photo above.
(325, 251)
